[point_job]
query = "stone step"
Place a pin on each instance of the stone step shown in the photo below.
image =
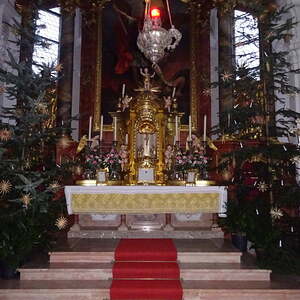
(103, 271)
(87, 233)
(107, 257)
(192, 290)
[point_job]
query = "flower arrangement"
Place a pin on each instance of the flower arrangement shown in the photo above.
(197, 161)
(113, 161)
(94, 161)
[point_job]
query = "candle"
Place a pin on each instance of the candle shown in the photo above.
(228, 119)
(292, 229)
(101, 128)
(126, 139)
(115, 129)
(280, 243)
(174, 91)
(176, 128)
(123, 90)
(204, 129)
(90, 128)
(190, 128)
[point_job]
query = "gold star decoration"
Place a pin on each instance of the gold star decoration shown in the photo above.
(5, 187)
(64, 142)
(5, 135)
(58, 68)
(276, 213)
(26, 199)
(226, 76)
(55, 186)
(262, 186)
(206, 92)
(61, 223)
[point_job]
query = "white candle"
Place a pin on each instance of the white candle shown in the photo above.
(174, 91)
(90, 128)
(123, 90)
(176, 128)
(190, 128)
(115, 129)
(204, 129)
(101, 128)
(292, 229)
(280, 243)
(126, 139)
(228, 118)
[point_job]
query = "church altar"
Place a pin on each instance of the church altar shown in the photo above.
(146, 199)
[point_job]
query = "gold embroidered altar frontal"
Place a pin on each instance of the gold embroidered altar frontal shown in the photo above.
(145, 203)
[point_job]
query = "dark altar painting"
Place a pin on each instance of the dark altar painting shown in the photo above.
(122, 60)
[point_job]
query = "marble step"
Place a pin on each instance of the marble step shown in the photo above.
(117, 234)
(107, 257)
(192, 290)
(103, 271)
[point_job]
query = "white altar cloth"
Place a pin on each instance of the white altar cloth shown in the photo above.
(196, 195)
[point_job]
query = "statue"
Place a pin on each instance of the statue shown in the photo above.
(169, 154)
(125, 102)
(124, 156)
(147, 78)
(168, 103)
(146, 145)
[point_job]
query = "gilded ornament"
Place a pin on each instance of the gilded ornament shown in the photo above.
(262, 186)
(5, 187)
(61, 223)
(276, 213)
(5, 135)
(26, 199)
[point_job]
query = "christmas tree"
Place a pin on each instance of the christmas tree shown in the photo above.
(261, 127)
(31, 208)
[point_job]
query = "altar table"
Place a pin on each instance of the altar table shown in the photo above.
(146, 199)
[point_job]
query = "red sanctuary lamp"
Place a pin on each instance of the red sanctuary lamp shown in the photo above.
(154, 40)
(155, 13)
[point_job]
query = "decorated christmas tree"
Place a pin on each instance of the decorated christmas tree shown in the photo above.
(31, 209)
(263, 132)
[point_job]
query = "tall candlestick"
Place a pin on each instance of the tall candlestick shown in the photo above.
(90, 128)
(126, 139)
(174, 91)
(123, 90)
(176, 128)
(115, 129)
(204, 129)
(101, 128)
(190, 128)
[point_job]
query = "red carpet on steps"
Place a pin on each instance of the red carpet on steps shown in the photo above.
(146, 269)
(146, 250)
(166, 270)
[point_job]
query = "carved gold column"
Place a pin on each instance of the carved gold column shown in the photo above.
(160, 147)
(131, 147)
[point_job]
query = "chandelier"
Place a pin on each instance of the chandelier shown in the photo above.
(154, 40)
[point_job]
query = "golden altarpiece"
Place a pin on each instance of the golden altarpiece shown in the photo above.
(146, 129)
(145, 124)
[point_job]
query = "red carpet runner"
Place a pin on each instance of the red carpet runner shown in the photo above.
(146, 269)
